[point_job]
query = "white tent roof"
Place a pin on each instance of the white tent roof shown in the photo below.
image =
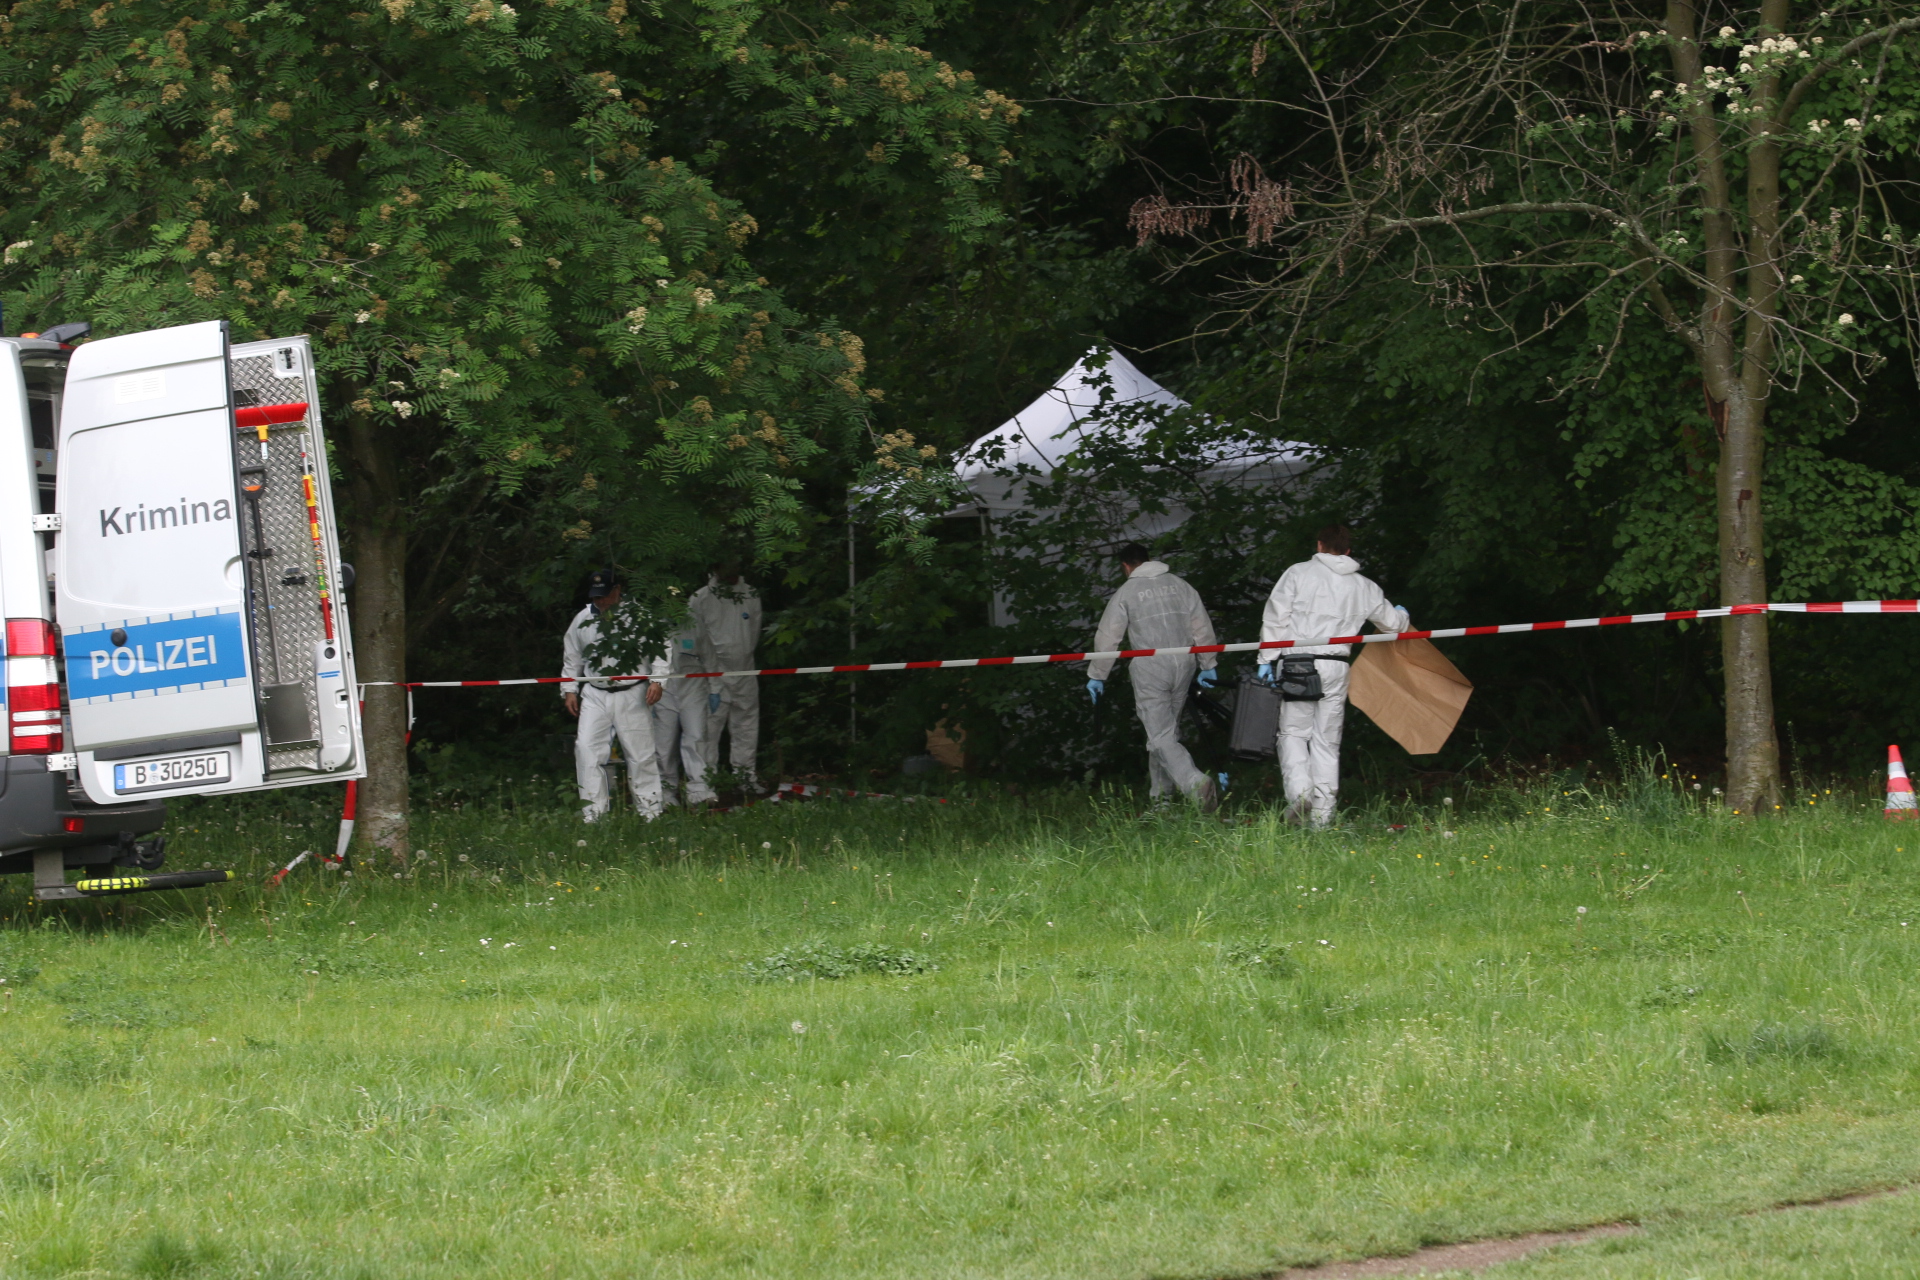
(1033, 444)
(1041, 435)
(1044, 432)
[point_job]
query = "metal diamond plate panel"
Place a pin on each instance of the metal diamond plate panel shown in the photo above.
(284, 579)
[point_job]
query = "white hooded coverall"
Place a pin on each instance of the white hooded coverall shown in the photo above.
(680, 724)
(727, 619)
(1156, 609)
(607, 710)
(1324, 596)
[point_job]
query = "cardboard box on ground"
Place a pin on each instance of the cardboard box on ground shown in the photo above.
(1411, 691)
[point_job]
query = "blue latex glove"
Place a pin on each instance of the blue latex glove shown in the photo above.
(1094, 689)
(713, 703)
(1208, 678)
(1265, 674)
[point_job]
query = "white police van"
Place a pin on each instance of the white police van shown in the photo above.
(170, 578)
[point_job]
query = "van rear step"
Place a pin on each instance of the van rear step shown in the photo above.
(137, 882)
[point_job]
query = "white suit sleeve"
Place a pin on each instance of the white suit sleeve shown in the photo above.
(573, 663)
(1276, 620)
(1113, 625)
(1390, 617)
(1202, 626)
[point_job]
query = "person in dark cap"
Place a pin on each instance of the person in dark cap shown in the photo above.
(607, 708)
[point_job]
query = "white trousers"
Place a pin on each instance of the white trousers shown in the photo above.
(1310, 747)
(679, 734)
(1159, 696)
(603, 715)
(739, 716)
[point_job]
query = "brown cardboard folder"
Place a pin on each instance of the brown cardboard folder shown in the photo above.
(1409, 689)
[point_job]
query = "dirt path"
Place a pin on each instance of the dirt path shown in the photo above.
(1476, 1256)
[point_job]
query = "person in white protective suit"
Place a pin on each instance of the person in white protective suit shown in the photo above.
(607, 709)
(1156, 609)
(680, 724)
(726, 616)
(1317, 598)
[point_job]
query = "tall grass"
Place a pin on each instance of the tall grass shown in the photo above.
(1055, 1036)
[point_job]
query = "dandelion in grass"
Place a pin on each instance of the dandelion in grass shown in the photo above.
(799, 1028)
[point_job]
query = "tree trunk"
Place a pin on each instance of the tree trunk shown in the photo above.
(1739, 377)
(379, 538)
(1753, 751)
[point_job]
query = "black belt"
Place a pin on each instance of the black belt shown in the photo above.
(1316, 657)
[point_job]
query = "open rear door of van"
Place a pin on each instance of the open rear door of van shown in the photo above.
(196, 570)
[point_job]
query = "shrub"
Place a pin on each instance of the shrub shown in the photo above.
(824, 960)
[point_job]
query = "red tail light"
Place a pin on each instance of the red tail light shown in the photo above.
(33, 716)
(73, 825)
(29, 638)
(33, 697)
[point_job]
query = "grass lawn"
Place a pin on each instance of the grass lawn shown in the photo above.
(1039, 1038)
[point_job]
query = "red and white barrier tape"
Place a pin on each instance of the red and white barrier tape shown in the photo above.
(1445, 633)
(273, 881)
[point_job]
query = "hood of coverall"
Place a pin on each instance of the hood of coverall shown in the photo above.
(1339, 564)
(1151, 569)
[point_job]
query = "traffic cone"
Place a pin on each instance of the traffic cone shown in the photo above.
(1900, 802)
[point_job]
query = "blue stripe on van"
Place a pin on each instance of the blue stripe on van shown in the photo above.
(171, 654)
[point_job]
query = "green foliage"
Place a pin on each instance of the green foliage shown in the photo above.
(1259, 957)
(812, 960)
(1463, 348)
(464, 204)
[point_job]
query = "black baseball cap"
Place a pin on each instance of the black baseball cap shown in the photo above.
(602, 583)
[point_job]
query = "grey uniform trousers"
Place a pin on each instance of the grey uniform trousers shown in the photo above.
(1159, 696)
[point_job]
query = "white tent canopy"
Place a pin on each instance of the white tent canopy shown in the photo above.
(1034, 442)
(1041, 435)
(1090, 400)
